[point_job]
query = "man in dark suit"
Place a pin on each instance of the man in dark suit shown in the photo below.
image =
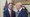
(21, 11)
(9, 12)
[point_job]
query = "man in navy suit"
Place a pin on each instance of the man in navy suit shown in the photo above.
(9, 12)
(21, 11)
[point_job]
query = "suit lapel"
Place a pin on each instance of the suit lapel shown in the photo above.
(20, 12)
(8, 13)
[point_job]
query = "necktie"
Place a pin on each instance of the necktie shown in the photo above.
(11, 14)
(18, 10)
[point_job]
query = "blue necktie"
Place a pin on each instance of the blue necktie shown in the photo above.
(18, 10)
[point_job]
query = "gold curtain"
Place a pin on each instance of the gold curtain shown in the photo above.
(22, 1)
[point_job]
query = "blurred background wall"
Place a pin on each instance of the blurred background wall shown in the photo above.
(2, 4)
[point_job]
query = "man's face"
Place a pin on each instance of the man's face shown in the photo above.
(10, 6)
(18, 6)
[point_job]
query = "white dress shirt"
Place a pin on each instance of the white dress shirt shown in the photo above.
(9, 11)
(20, 10)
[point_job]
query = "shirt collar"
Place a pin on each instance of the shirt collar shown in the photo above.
(9, 9)
(20, 9)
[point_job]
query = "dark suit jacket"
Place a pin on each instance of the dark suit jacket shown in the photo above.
(6, 13)
(23, 13)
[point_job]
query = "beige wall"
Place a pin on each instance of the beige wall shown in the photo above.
(2, 3)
